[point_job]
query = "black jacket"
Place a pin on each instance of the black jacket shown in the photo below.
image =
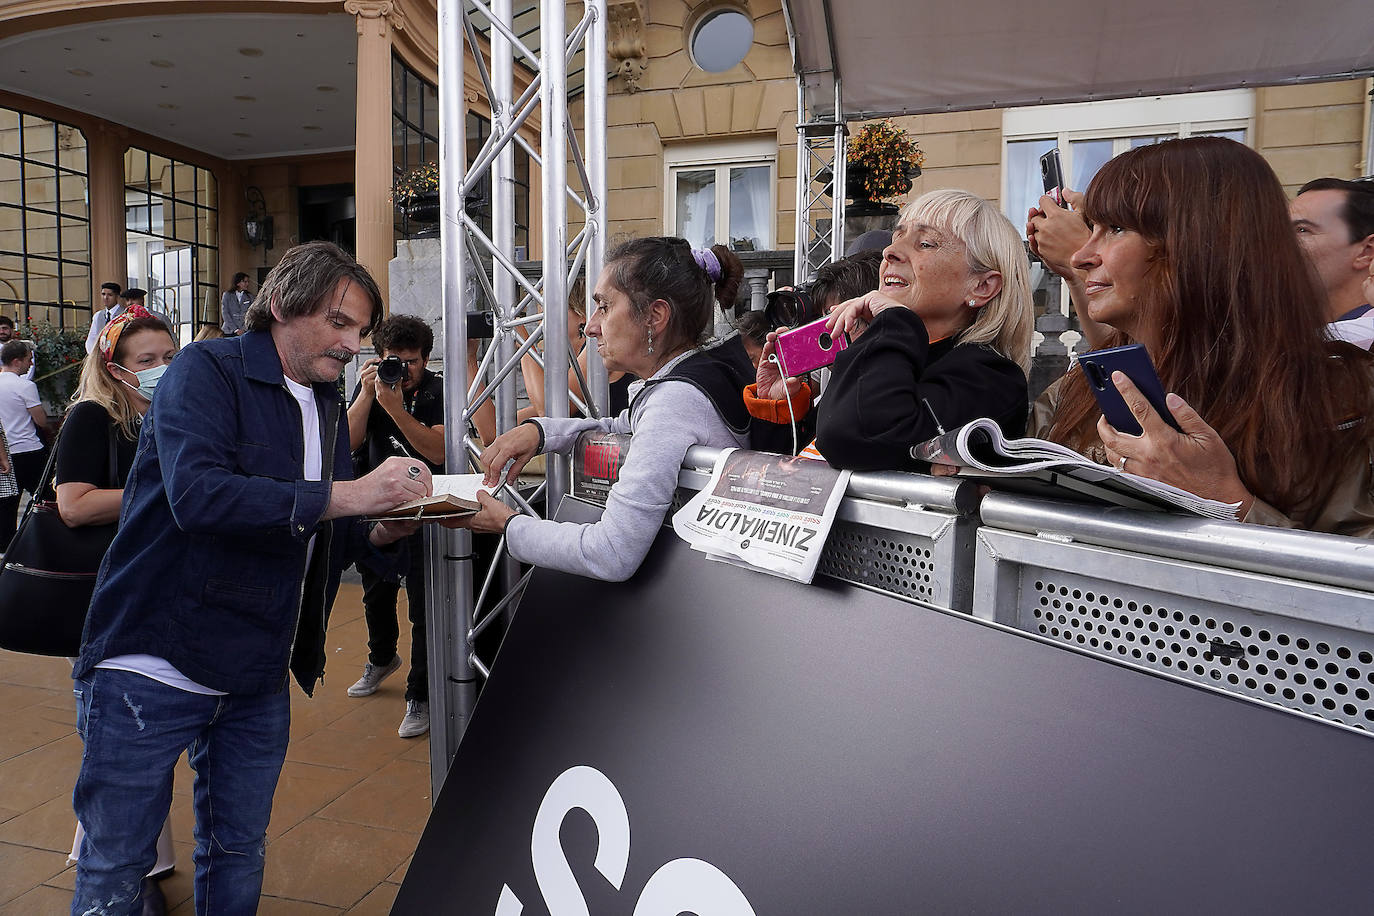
(890, 386)
(721, 372)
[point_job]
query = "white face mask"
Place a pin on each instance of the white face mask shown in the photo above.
(147, 379)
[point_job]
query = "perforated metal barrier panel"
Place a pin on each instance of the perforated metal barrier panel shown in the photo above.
(907, 552)
(1242, 615)
(1296, 644)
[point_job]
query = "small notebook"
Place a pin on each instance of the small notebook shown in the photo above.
(454, 496)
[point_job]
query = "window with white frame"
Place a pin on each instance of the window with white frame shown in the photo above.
(1090, 133)
(722, 193)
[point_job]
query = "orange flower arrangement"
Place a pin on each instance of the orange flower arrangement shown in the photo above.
(890, 156)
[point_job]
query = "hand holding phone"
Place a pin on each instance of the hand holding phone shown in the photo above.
(1052, 175)
(809, 347)
(1097, 367)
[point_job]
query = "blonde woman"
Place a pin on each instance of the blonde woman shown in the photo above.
(945, 338)
(117, 382)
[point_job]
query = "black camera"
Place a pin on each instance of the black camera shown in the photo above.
(391, 370)
(791, 307)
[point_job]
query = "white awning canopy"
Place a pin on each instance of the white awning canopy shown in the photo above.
(916, 56)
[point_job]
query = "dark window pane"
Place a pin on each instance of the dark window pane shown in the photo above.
(430, 99)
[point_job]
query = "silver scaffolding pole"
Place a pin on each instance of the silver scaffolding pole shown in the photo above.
(821, 144)
(594, 135)
(456, 617)
(453, 684)
(553, 144)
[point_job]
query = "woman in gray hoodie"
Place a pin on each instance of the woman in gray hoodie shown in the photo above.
(654, 305)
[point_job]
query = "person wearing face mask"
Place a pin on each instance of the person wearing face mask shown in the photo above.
(118, 379)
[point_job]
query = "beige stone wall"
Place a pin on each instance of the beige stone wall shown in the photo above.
(1312, 131)
(680, 103)
(963, 150)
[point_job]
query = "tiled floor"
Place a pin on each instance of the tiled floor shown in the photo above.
(349, 809)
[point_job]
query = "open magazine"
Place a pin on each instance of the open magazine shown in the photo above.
(980, 450)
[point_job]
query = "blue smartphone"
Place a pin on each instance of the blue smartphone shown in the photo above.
(1097, 367)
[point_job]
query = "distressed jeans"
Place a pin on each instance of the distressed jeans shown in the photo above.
(134, 730)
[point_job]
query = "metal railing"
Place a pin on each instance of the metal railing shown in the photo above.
(1285, 617)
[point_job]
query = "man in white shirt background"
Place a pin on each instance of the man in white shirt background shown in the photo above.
(26, 426)
(110, 308)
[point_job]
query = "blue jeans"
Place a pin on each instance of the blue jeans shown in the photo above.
(134, 729)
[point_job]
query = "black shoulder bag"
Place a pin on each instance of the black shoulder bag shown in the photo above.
(49, 572)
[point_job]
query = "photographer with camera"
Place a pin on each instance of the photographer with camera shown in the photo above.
(398, 409)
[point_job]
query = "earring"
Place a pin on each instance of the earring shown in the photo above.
(973, 303)
(651, 342)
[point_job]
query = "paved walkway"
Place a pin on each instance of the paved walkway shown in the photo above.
(349, 809)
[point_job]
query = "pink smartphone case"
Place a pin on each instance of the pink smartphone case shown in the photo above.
(808, 347)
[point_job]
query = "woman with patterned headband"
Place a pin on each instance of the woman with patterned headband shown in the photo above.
(655, 301)
(99, 439)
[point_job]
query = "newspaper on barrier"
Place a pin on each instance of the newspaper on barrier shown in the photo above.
(767, 512)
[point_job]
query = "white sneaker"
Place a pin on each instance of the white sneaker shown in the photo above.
(416, 721)
(373, 676)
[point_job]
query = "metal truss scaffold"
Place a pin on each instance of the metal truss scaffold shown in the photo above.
(526, 311)
(821, 146)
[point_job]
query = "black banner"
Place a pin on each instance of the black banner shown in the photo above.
(710, 740)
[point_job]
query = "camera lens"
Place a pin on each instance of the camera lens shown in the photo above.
(825, 340)
(391, 370)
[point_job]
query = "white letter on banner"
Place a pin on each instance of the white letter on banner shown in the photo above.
(509, 904)
(691, 886)
(586, 788)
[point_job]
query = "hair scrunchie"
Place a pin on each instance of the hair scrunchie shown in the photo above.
(109, 335)
(706, 259)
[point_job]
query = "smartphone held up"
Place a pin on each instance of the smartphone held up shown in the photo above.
(1097, 367)
(809, 347)
(1052, 175)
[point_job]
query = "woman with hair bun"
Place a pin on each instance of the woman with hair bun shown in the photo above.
(655, 300)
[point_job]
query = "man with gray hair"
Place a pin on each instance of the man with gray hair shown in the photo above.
(239, 515)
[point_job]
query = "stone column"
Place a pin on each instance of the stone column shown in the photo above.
(105, 146)
(372, 144)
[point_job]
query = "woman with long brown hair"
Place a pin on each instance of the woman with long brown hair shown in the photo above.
(1192, 254)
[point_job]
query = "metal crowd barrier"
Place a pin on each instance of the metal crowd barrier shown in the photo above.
(902, 534)
(1285, 617)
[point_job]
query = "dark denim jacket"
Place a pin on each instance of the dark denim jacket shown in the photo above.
(208, 569)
